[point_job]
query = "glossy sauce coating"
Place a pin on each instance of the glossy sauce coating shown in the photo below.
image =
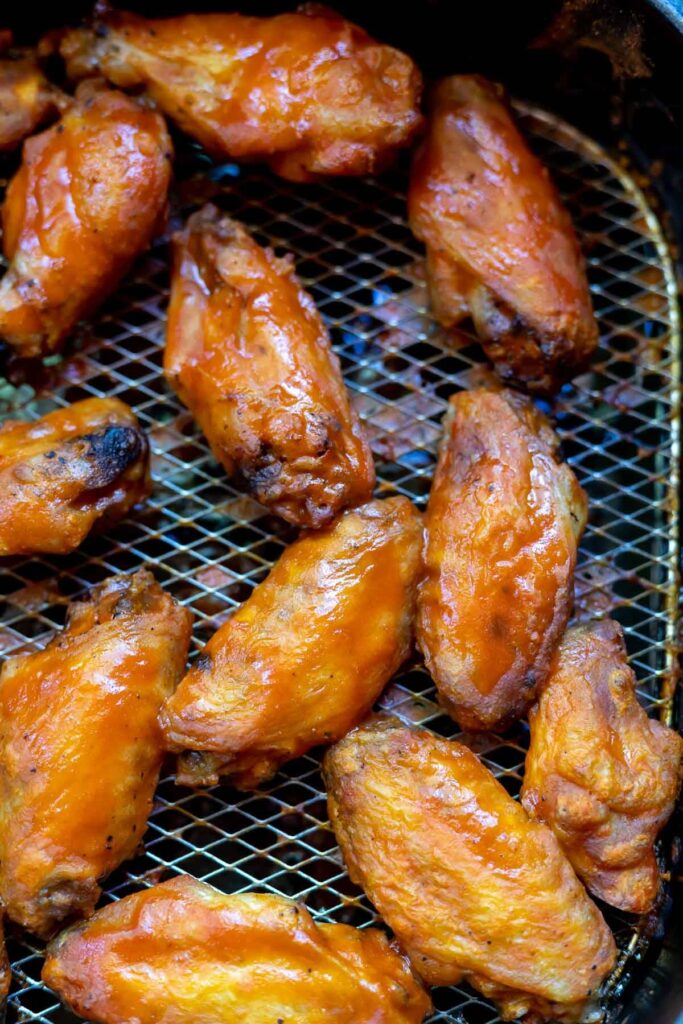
(306, 656)
(87, 199)
(500, 245)
(307, 91)
(184, 953)
(472, 888)
(603, 775)
(80, 747)
(27, 99)
(72, 470)
(248, 352)
(503, 523)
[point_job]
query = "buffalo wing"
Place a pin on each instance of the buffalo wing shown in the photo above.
(248, 352)
(500, 245)
(503, 523)
(306, 656)
(80, 747)
(27, 99)
(87, 199)
(306, 91)
(472, 888)
(72, 470)
(601, 773)
(182, 952)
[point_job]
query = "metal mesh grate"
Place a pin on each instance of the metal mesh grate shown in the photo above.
(209, 544)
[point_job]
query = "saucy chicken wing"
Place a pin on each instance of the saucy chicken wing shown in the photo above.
(248, 352)
(72, 470)
(500, 245)
(183, 952)
(503, 523)
(308, 92)
(27, 99)
(81, 749)
(85, 202)
(306, 656)
(601, 773)
(473, 889)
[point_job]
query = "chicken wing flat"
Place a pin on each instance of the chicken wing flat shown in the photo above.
(85, 202)
(503, 523)
(248, 352)
(472, 888)
(183, 952)
(70, 471)
(80, 747)
(306, 656)
(308, 92)
(500, 245)
(601, 773)
(27, 99)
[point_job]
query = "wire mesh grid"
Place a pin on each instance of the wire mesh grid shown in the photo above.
(209, 544)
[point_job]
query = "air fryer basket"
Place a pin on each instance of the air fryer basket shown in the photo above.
(209, 544)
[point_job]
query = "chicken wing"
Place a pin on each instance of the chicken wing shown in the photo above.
(72, 470)
(601, 773)
(308, 92)
(85, 202)
(27, 99)
(306, 656)
(503, 524)
(472, 888)
(500, 245)
(248, 352)
(183, 952)
(80, 747)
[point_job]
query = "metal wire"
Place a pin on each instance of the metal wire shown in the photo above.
(209, 545)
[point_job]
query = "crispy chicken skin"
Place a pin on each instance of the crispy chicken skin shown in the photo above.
(500, 245)
(601, 773)
(27, 99)
(306, 656)
(308, 92)
(80, 747)
(75, 469)
(248, 352)
(183, 952)
(472, 888)
(85, 202)
(503, 523)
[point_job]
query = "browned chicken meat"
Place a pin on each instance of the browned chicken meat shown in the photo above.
(27, 99)
(602, 774)
(87, 199)
(472, 888)
(503, 523)
(183, 952)
(81, 749)
(500, 245)
(73, 470)
(306, 656)
(307, 91)
(248, 352)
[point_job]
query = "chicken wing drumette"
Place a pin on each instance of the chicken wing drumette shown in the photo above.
(27, 99)
(473, 889)
(601, 773)
(71, 471)
(306, 656)
(183, 952)
(307, 91)
(500, 245)
(87, 199)
(81, 748)
(248, 352)
(503, 524)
